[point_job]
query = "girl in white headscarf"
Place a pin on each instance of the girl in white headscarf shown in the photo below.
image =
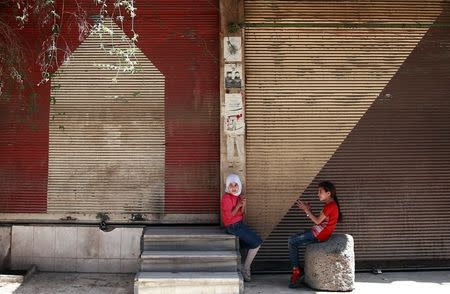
(233, 210)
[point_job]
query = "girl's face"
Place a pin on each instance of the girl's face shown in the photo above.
(323, 195)
(233, 188)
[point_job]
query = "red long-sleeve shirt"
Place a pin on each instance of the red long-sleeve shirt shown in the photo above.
(227, 204)
(324, 230)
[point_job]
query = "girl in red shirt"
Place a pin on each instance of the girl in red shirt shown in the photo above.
(233, 209)
(325, 224)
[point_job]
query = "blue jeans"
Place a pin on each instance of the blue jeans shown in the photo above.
(300, 239)
(247, 237)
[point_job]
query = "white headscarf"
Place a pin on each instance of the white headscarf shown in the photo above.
(232, 178)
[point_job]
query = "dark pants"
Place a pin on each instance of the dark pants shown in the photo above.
(247, 237)
(297, 240)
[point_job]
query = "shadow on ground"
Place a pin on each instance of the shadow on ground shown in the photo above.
(74, 283)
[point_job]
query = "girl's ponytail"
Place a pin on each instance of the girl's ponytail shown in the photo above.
(329, 187)
(339, 208)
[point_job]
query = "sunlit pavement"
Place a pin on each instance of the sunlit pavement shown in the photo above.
(428, 282)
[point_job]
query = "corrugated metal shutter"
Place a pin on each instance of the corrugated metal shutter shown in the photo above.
(23, 157)
(106, 146)
(23, 130)
(180, 38)
(313, 70)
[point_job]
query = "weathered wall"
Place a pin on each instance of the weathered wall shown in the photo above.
(76, 248)
(180, 38)
(354, 92)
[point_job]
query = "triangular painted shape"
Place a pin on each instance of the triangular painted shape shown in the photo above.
(322, 82)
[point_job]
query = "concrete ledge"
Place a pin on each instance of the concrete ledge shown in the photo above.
(18, 278)
(188, 282)
(11, 279)
(330, 265)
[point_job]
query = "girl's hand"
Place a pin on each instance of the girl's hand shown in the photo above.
(305, 206)
(243, 202)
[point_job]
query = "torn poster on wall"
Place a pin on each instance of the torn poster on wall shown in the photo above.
(234, 114)
(233, 75)
(234, 127)
(232, 50)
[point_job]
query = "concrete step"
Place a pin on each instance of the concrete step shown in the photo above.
(189, 261)
(160, 238)
(188, 283)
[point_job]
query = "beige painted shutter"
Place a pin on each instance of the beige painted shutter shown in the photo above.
(313, 70)
(106, 149)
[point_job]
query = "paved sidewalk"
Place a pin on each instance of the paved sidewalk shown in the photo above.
(73, 283)
(431, 282)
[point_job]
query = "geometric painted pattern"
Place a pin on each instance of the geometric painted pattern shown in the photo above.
(392, 172)
(307, 88)
(321, 83)
(106, 141)
(389, 158)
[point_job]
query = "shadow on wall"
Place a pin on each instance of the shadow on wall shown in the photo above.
(392, 172)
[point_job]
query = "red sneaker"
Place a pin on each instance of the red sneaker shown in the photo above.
(295, 277)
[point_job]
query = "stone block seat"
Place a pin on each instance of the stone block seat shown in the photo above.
(330, 265)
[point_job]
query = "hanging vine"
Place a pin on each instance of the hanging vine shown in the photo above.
(49, 16)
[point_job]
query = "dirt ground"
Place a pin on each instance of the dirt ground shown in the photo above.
(73, 283)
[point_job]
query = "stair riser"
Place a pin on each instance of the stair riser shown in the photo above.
(174, 245)
(189, 265)
(188, 289)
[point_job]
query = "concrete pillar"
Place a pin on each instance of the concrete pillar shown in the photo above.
(232, 90)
